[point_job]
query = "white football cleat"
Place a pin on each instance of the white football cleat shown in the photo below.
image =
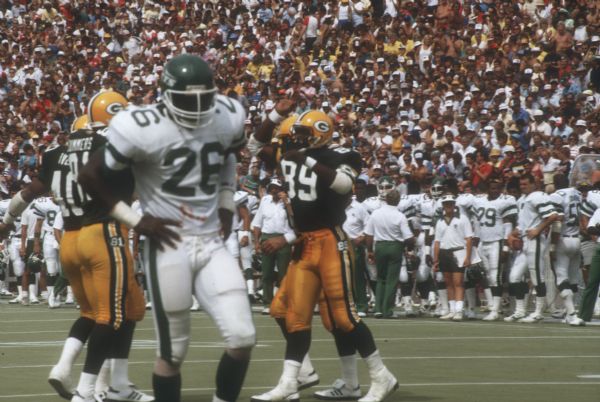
(34, 300)
(492, 316)
(266, 311)
(285, 389)
(531, 318)
(6, 293)
(308, 381)
(149, 306)
(16, 300)
(60, 379)
(573, 320)
(70, 300)
(362, 314)
(458, 316)
(53, 302)
(382, 386)
(514, 317)
(129, 395)
(448, 316)
(78, 398)
(470, 314)
(339, 392)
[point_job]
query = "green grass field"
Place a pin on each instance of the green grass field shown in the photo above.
(433, 360)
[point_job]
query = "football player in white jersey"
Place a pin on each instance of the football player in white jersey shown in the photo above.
(182, 153)
(46, 210)
(536, 213)
(384, 186)
(565, 250)
(496, 216)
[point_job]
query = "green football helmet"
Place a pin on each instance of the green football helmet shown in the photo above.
(35, 263)
(188, 91)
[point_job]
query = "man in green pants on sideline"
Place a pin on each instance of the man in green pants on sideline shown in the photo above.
(273, 237)
(590, 294)
(388, 231)
(354, 226)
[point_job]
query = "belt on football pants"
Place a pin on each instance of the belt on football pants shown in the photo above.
(571, 236)
(452, 249)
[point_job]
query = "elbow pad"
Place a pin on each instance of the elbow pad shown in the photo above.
(342, 184)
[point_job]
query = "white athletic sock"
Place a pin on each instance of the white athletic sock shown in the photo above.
(71, 350)
(32, 292)
(103, 380)
(69, 292)
(488, 296)
(443, 295)
(520, 306)
(452, 305)
(375, 364)
(471, 298)
(497, 300)
(349, 371)
(217, 399)
(20, 290)
(250, 286)
(460, 306)
(567, 295)
(24, 294)
(539, 305)
(307, 367)
(291, 369)
(119, 373)
(86, 384)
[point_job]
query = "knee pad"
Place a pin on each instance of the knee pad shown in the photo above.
(179, 337)
(566, 292)
(403, 275)
(564, 286)
(439, 277)
(18, 267)
(242, 335)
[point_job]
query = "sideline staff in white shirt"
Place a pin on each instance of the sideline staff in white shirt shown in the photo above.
(452, 254)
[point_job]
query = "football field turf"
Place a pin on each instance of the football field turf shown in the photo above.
(433, 360)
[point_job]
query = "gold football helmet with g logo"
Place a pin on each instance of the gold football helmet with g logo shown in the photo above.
(312, 129)
(103, 106)
(80, 123)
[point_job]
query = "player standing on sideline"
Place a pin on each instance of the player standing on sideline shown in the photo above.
(535, 215)
(565, 249)
(320, 180)
(496, 215)
(182, 155)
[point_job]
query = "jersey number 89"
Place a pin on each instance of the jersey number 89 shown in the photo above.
(305, 187)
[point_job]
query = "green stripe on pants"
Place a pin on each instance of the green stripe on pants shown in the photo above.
(162, 322)
(388, 260)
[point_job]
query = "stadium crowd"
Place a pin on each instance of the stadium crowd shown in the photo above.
(430, 89)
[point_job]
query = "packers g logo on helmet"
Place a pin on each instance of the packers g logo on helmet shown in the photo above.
(103, 106)
(313, 129)
(80, 123)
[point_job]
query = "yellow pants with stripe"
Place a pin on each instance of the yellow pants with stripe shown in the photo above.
(74, 272)
(324, 274)
(113, 292)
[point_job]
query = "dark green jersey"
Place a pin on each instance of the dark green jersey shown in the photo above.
(314, 204)
(80, 146)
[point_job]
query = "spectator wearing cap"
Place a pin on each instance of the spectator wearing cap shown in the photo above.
(452, 254)
(387, 234)
(583, 134)
(562, 129)
(273, 238)
(540, 125)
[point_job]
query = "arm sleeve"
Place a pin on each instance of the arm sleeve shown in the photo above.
(595, 219)
(120, 149)
(228, 173)
(544, 207)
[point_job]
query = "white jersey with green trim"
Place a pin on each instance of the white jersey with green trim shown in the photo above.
(409, 205)
(567, 202)
(372, 203)
(490, 216)
(47, 209)
(591, 203)
(533, 209)
(178, 172)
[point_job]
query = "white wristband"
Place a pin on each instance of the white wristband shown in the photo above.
(276, 117)
(125, 214)
(310, 162)
(427, 250)
(243, 233)
(552, 248)
(505, 249)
